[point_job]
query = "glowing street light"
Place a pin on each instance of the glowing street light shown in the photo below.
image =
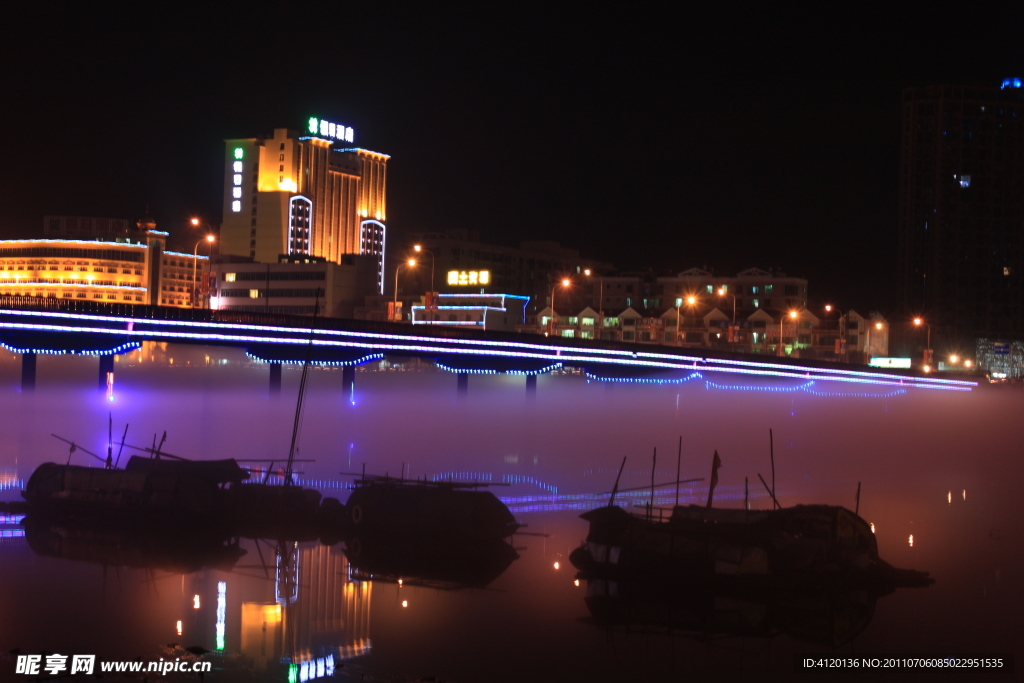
(551, 321)
(722, 291)
(600, 293)
(793, 316)
(197, 290)
(928, 345)
(411, 263)
(418, 248)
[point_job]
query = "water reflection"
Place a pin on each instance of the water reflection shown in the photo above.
(525, 624)
(707, 610)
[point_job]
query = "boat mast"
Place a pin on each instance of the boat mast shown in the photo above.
(302, 391)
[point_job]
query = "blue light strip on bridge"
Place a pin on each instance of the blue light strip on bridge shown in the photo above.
(123, 348)
(541, 371)
(644, 380)
(322, 363)
(404, 342)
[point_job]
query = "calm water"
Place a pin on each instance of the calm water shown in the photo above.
(942, 468)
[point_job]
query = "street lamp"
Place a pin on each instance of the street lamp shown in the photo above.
(793, 315)
(418, 248)
(195, 259)
(551, 321)
(690, 301)
(600, 293)
(840, 326)
(410, 263)
(722, 291)
(928, 345)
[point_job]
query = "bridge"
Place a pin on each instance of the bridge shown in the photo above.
(33, 326)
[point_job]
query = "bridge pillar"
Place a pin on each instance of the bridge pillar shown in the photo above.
(28, 372)
(531, 386)
(275, 379)
(106, 365)
(348, 381)
(463, 384)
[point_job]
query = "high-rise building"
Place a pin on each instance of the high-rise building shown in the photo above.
(961, 220)
(309, 193)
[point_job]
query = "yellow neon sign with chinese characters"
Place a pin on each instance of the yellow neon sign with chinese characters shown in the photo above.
(470, 278)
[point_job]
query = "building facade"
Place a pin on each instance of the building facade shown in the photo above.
(453, 261)
(294, 286)
(136, 269)
(961, 210)
(304, 194)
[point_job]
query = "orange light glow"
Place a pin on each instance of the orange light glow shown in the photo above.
(557, 565)
(576, 582)
(918, 321)
(792, 314)
(411, 262)
(872, 527)
(691, 300)
(828, 308)
(405, 603)
(949, 497)
(566, 282)
(194, 221)
(911, 540)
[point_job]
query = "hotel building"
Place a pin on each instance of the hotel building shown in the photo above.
(304, 194)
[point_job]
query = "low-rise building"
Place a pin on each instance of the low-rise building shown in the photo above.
(296, 285)
(481, 311)
(134, 269)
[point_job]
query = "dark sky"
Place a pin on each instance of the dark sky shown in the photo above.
(664, 137)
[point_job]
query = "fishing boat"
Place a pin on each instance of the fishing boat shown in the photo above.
(800, 544)
(803, 544)
(413, 508)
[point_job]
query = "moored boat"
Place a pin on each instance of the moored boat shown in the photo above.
(410, 507)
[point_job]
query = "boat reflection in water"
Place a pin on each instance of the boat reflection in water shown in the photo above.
(291, 612)
(437, 561)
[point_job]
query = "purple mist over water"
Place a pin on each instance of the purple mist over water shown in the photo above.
(942, 467)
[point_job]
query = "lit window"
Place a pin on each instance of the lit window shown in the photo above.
(965, 181)
(755, 303)
(238, 152)
(236, 206)
(237, 179)
(1007, 270)
(254, 294)
(236, 192)
(237, 167)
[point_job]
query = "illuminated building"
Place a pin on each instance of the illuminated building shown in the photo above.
(135, 269)
(476, 311)
(304, 194)
(294, 285)
(527, 270)
(961, 208)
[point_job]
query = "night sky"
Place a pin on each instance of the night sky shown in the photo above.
(666, 138)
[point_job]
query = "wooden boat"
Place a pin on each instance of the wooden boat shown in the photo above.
(411, 507)
(816, 544)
